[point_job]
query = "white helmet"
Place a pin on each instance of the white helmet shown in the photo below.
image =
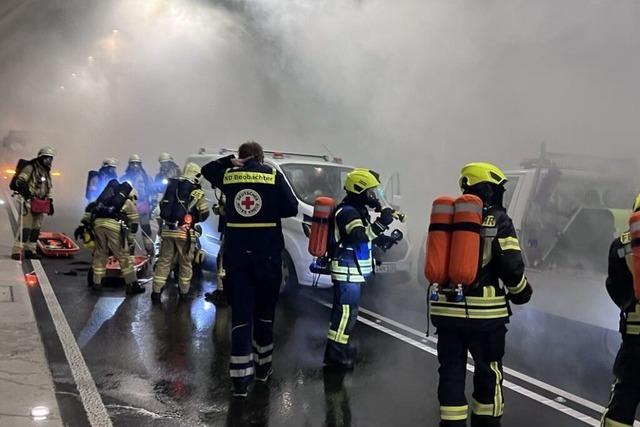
(46, 151)
(135, 159)
(165, 157)
(110, 162)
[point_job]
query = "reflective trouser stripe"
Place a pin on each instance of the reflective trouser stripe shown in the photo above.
(497, 400)
(606, 422)
(339, 335)
(519, 287)
(241, 373)
(241, 359)
(261, 350)
(484, 409)
(454, 413)
(262, 360)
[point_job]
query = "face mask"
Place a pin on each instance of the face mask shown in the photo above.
(372, 199)
(46, 161)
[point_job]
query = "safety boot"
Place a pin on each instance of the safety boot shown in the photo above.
(240, 390)
(16, 256)
(485, 421)
(156, 297)
(134, 288)
(264, 375)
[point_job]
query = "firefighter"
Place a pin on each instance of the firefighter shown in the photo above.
(168, 169)
(476, 324)
(257, 199)
(625, 392)
(113, 217)
(352, 259)
(138, 178)
(33, 183)
(97, 180)
(181, 208)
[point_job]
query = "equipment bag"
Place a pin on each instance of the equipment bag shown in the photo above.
(41, 206)
(436, 263)
(465, 240)
(634, 230)
(319, 236)
(13, 185)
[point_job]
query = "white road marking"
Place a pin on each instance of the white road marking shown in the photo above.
(523, 377)
(507, 384)
(91, 400)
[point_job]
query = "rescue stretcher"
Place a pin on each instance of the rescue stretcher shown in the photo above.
(56, 245)
(140, 263)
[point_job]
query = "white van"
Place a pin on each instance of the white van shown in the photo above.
(309, 176)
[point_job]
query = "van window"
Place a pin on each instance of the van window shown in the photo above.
(510, 188)
(572, 219)
(310, 181)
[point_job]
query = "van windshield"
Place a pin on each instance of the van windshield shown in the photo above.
(310, 181)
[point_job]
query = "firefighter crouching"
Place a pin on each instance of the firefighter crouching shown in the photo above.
(257, 199)
(181, 208)
(472, 317)
(113, 218)
(32, 182)
(622, 286)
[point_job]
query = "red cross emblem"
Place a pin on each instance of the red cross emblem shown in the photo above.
(248, 203)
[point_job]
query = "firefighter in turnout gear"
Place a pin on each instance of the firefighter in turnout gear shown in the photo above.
(258, 198)
(352, 259)
(138, 178)
(625, 392)
(33, 184)
(181, 208)
(112, 217)
(476, 321)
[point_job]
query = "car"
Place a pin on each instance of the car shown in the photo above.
(309, 176)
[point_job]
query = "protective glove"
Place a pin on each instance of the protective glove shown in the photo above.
(382, 223)
(383, 241)
(51, 209)
(522, 297)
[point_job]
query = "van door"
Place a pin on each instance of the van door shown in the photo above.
(392, 192)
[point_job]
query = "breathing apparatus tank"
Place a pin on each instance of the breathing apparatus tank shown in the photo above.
(320, 225)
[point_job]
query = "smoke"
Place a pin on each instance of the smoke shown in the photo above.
(419, 87)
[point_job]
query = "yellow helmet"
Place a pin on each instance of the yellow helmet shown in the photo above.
(46, 151)
(360, 180)
(636, 203)
(191, 171)
(478, 172)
